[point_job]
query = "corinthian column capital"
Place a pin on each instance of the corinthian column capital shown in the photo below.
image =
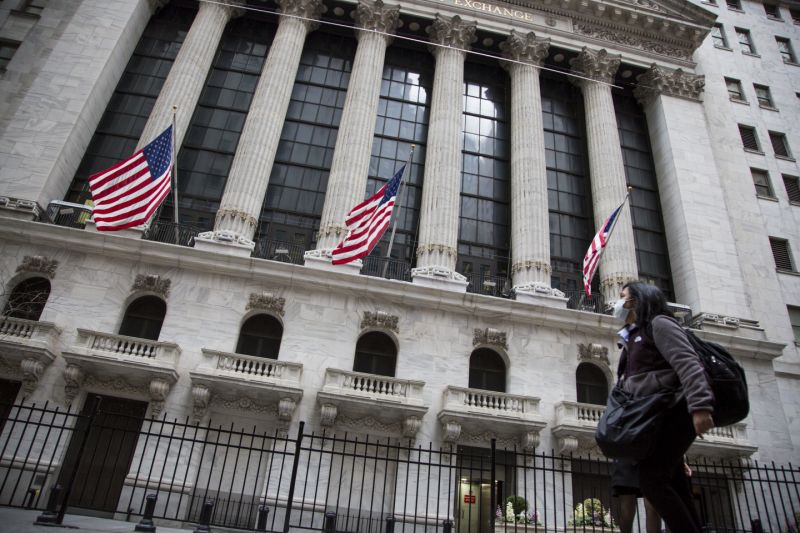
(307, 10)
(376, 17)
(660, 80)
(597, 65)
(452, 32)
(526, 48)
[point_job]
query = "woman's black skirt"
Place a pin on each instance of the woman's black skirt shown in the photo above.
(625, 478)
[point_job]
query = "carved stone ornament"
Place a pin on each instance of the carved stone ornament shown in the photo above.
(28, 207)
(227, 237)
(525, 48)
(451, 431)
(73, 380)
(369, 423)
(201, 397)
(616, 282)
(530, 441)
(266, 302)
(31, 371)
(159, 389)
(327, 415)
(436, 248)
(451, 32)
(490, 336)
(646, 44)
(309, 10)
(659, 80)
(597, 65)
(379, 319)
(243, 403)
(567, 445)
(152, 283)
(716, 320)
(541, 266)
(438, 272)
(286, 407)
(411, 426)
(376, 17)
(117, 384)
(593, 352)
(38, 264)
(539, 288)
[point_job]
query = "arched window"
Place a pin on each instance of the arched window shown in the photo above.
(143, 318)
(28, 299)
(592, 384)
(487, 370)
(376, 353)
(260, 336)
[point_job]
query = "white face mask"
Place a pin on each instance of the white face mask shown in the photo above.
(620, 313)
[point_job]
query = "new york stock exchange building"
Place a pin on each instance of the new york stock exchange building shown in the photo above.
(221, 369)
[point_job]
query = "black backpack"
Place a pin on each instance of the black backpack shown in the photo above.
(727, 380)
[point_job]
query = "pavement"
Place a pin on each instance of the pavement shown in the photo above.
(21, 521)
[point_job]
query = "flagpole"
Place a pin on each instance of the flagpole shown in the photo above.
(175, 177)
(610, 231)
(397, 208)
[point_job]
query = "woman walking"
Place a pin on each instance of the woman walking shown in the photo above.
(657, 356)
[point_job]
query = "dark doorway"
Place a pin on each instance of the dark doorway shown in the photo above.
(8, 395)
(110, 443)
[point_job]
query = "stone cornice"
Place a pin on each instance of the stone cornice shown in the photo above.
(660, 80)
(525, 47)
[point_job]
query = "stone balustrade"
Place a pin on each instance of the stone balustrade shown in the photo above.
(374, 386)
(29, 345)
(252, 368)
(499, 403)
(130, 348)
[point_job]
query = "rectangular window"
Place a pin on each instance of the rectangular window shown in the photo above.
(772, 11)
(734, 4)
(792, 184)
(779, 144)
(761, 181)
(745, 41)
(749, 138)
(735, 91)
(794, 318)
(781, 254)
(718, 35)
(7, 51)
(795, 13)
(763, 95)
(785, 48)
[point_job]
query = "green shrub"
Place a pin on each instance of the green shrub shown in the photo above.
(519, 504)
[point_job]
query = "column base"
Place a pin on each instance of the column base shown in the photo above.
(439, 278)
(540, 294)
(321, 260)
(224, 242)
(19, 209)
(135, 232)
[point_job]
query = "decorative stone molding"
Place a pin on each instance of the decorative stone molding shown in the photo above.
(376, 17)
(117, 384)
(530, 441)
(451, 431)
(38, 264)
(567, 445)
(659, 80)
(381, 320)
(286, 407)
(728, 322)
(327, 415)
(31, 372)
(19, 208)
(227, 237)
(411, 426)
(243, 403)
(159, 389)
(525, 265)
(201, 397)
(483, 439)
(525, 48)
(541, 289)
(615, 283)
(266, 302)
(438, 272)
(593, 353)
(597, 65)
(490, 336)
(332, 229)
(368, 423)
(73, 381)
(152, 283)
(624, 38)
(451, 33)
(438, 248)
(307, 9)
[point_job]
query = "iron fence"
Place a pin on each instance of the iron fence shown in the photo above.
(389, 268)
(67, 214)
(580, 301)
(275, 250)
(172, 233)
(268, 479)
(489, 285)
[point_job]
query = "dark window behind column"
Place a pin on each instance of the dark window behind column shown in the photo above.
(205, 159)
(568, 187)
(483, 235)
(402, 120)
(126, 114)
(299, 177)
(652, 256)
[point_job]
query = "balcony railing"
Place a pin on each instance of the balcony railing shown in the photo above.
(389, 268)
(283, 251)
(130, 348)
(349, 383)
(68, 214)
(578, 300)
(171, 233)
(22, 330)
(497, 403)
(252, 368)
(488, 285)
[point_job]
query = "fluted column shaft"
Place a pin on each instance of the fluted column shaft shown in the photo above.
(188, 73)
(237, 217)
(530, 235)
(609, 186)
(438, 223)
(347, 181)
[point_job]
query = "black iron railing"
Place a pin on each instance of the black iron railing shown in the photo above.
(486, 284)
(171, 233)
(68, 214)
(389, 268)
(579, 301)
(283, 251)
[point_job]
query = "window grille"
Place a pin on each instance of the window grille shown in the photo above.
(749, 138)
(761, 181)
(772, 11)
(735, 91)
(781, 254)
(779, 145)
(764, 95)
(792, 184)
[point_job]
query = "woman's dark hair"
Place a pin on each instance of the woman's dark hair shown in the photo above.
(649, 302)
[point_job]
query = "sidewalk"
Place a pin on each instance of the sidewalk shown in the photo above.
(21, 521)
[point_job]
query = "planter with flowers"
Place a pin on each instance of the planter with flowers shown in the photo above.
(589, 515)
(516, 516)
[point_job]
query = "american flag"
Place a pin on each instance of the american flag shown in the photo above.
(595, 250)
(127, 194)
(367, 222)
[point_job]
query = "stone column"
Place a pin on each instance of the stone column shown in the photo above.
(530, 235)
(189, 71)
(237, 217)
(438, 222)
(706, 272)
(350, 167)
(609, 187)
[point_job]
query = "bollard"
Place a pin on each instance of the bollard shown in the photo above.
(205, 518)
(263, 513)
(389, 524)
(146, 523)
(330, 522)
(50, 516)
(447, 526)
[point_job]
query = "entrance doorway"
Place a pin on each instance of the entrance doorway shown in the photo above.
(107, 455)
(475, 486)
